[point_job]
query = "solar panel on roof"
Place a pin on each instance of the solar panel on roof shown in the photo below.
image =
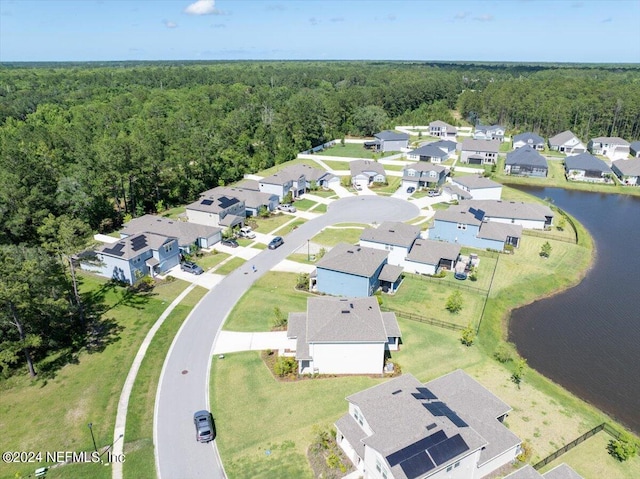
(139, 242)
(116, 250)
(438, 408)
(206, 202)
(447, 450)
(225, 201)
(426, 393)
(413, 449)
(417, 465)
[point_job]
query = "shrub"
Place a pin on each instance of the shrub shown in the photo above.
(503, 353)
(279, 318)
(454, 302)
(518, 373)
(473, 275)
(302, 281)
(623, 448)
(545, 250)
(468, 336)
(334, 462)
(525, 452)
(508, 248)
(285, 366)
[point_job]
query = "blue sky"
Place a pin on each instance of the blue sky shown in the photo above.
(506, 30)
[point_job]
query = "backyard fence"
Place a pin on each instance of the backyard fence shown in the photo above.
(457, 284)
(541, 234)
(424, 319)
(569, 446)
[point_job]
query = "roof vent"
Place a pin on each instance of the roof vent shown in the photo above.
(398, 391)
(345, 311)
(350, 251)
(392, 231)
(431, 426)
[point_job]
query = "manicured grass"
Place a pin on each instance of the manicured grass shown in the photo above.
(305, 204)
(353, 150)
(320, 208)
(332, 236)
(231, 265)
(84, 391)
(394, 167)
(289, 227)
(138, 448)
(272, 223)
(393, 183)
(429, 299)
(337, 165)
(254, 311)
(324, 193)
(209, 260)
(259, 246)
(174, 213)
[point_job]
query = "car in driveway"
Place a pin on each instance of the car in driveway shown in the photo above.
(276, 242)
(203, 421)
(289, 208)
(231, 243)
(246, 232)
(191, 267)
(411, 189)
(433, 193)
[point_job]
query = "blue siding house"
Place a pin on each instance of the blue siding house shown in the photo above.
(348, 270)
(136, 256)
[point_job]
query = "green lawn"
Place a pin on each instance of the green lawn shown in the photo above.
(353, 150)
(174, 213)
(337, 165)
(282, 166)
(305, 204)
(394, 167)
(289, 227)
(231, 265)
(272, 223)
(86, 390)
(324, 193)
(429, 298)
(254, 311)
(209, 260)
(138, 447)
(320, 208)
(332, 236)
(393, 183)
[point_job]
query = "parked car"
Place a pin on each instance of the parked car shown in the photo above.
(190, 267)
(246, 232)
(205, 431)
(289, 208)
(433, 192)
(276, 242)
(357, 187)
(411, 189)
(231, 243)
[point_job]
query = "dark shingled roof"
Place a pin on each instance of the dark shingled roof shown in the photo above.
(389, 135)
(350, 259)
(393, 233)
(530, 138)
(586, 162)
(628, 167)
(186, 233)
(526, 156)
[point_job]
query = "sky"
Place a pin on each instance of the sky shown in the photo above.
(591, 31)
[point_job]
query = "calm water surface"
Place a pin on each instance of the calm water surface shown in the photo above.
(588, 338)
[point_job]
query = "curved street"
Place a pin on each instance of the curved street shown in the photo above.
(184, 380)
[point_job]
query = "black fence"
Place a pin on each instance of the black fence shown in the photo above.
(541, 234)
(424, 319)
(570, 446)
(457, 284)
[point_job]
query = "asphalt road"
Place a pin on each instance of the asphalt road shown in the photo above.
(184, 381)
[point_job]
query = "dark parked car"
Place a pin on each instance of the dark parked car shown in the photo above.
(411, 189)
(276, 242)
(190, 267)
(231, 243)
(205, 430)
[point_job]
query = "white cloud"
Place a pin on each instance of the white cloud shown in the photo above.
(169, 24)
(461, 15)
(484, 18)
(202, 7)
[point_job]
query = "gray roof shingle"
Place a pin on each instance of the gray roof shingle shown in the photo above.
(474, 182)
(526, 156)
(431, 252)
(562, 138)
(491, 146)
(366, 166)
(586, 162)
(135, 245)
(429, 150)
(628, 167)
(186, 233)
(529, 137)
(350, 259)
(495, 230)
(562, 472)
(390, 135)
(392, 233)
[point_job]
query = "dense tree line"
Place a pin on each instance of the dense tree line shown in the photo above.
(82, 146)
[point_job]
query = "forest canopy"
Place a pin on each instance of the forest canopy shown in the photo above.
(97, 142)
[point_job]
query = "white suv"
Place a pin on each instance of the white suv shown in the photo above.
(245, 232)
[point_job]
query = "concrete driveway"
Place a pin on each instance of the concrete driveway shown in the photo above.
(206, 280)
(184, 381)
(233, 341)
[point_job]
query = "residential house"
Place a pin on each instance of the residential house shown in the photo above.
(131, 258)
(348, 270)
(634, 149)
(342, 336)
(394, 237)
(428, 152)
(367, 172)
(628, 171)
(612, 147)
(485, 132)
(388, 140)
(479, 152)
(430, 257)
(586, 167)
(528, 215)
(187, 234)
(478, 187)
(559, 472)
(451, 427)
(442, 130)
(456, 193)
(568, 143)
(528, 138)
(423, 175)
(462, 225)
(218, 210)
(253, 199)
(526, 161)
(296, 179)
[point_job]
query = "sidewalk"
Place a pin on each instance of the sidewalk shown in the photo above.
(232, 341)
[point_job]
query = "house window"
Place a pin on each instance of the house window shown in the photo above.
(461, 226)
(449, 468)
(456, 464)
(411, 173)
(378, 466)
